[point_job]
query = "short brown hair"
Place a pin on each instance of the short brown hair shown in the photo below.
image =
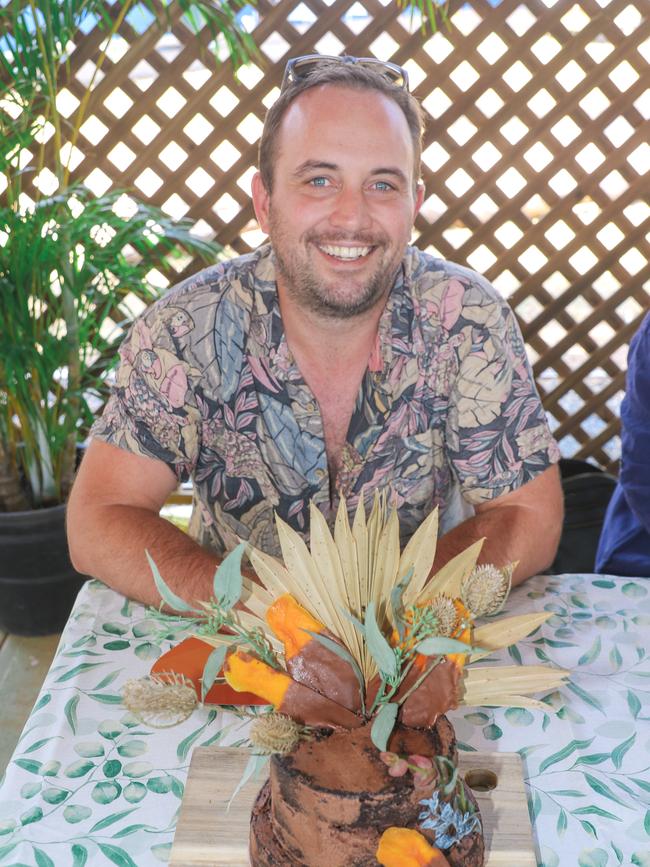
(352, 76)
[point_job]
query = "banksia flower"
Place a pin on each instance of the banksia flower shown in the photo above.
(164, 699)
(275, 733)
(486, 589)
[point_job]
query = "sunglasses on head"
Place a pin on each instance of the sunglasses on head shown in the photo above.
(302, 67)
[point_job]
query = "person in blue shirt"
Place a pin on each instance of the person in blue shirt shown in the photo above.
(624, 546)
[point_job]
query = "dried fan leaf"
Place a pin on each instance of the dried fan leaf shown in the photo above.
(252, 588)
(509, 680)
(419, 555)
(360, 535)
(304, 575)
(450, 578)
(273, 575)
(386, 566)
(344, 543)
(326, 559)
(504, 700)
(510, 630)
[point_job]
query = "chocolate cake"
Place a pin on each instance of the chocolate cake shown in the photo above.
(330, 800)
(359, 650)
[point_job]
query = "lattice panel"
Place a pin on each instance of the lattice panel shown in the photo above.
(535, 162)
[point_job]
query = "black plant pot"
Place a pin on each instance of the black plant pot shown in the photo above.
(38, 584)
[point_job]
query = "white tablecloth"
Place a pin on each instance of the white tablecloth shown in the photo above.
(89, 784)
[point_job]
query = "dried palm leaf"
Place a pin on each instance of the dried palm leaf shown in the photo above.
(419, 555)
(502, 633)
(481, 684)
(328, 562)
(450, 578)
(273, 575)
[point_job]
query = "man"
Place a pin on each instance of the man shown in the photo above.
(624, 546)
(334, 361)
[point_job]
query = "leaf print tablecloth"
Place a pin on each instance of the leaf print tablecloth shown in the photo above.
(88, 784)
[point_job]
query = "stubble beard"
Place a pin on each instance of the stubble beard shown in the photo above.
(312, 293)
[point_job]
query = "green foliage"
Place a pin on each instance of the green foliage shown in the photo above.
(68, 260)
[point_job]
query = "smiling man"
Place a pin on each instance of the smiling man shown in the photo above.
(334, 361)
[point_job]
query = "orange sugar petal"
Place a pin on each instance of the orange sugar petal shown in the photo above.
(244, 672)
(404, 847)
(289, 620)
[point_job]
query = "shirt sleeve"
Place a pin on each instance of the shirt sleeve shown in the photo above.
(497, 434)
(152, 410)
(635, 427)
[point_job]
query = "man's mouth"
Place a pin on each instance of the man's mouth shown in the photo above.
(345, 253)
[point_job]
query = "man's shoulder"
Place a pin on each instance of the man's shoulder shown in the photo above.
(429, 276)
(235, 278)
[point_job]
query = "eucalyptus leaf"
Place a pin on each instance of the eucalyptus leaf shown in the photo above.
(438, 645)
(379, 648)
(383, 725)
(228, 578)
(397, 605)
(211, 669)
(357, 623)
(167, 595)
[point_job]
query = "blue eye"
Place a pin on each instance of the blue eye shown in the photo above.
(318, 182)
(383, 186)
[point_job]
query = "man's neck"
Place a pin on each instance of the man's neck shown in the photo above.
(325, 339)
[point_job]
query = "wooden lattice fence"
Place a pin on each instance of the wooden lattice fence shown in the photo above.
(535, 161)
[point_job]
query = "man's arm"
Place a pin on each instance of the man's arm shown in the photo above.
(524, 525)
(112, 516)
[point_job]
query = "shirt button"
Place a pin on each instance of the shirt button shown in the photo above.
(320, 474)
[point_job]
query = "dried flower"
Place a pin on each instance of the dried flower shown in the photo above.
(486, 589)
(424, 773)
(445, 612)
(397, 766)
(164, 699)
(275, 733)
(449, 824)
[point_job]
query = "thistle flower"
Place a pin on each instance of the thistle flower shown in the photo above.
(486, 589)
(445, 612)
(161, 700)
(275, 733)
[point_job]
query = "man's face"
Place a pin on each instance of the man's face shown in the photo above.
(343, 200)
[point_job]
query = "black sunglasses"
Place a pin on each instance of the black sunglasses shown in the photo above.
(302, 67)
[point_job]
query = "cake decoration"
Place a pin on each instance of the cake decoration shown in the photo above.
(359, 650)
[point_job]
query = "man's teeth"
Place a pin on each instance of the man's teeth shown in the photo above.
(345, 252)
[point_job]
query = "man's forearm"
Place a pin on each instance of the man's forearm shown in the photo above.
(110, 545)
(511, 534)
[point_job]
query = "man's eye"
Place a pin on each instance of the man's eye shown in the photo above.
(383, 186)
(318, 182)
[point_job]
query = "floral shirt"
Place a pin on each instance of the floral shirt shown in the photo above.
(447, 413)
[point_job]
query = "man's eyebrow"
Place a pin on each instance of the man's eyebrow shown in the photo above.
(391, 170)
(321, 165)
(314, 165)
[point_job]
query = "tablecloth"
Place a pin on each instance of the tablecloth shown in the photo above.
(89, 784)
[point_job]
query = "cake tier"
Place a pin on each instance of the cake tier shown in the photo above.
(330, 800)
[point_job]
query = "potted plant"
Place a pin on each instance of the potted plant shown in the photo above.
(72, 273)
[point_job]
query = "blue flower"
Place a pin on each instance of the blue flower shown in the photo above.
(448, 824)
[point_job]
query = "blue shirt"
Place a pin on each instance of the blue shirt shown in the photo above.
(624, 547)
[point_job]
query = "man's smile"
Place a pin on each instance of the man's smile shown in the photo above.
(345, 253)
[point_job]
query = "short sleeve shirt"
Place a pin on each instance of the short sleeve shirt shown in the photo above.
(447, 411)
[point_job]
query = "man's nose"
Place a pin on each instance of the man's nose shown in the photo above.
(350, 210)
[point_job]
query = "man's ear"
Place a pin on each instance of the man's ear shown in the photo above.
(419, 198)
(261, 202)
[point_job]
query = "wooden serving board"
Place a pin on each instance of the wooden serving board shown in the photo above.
(208, 835)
